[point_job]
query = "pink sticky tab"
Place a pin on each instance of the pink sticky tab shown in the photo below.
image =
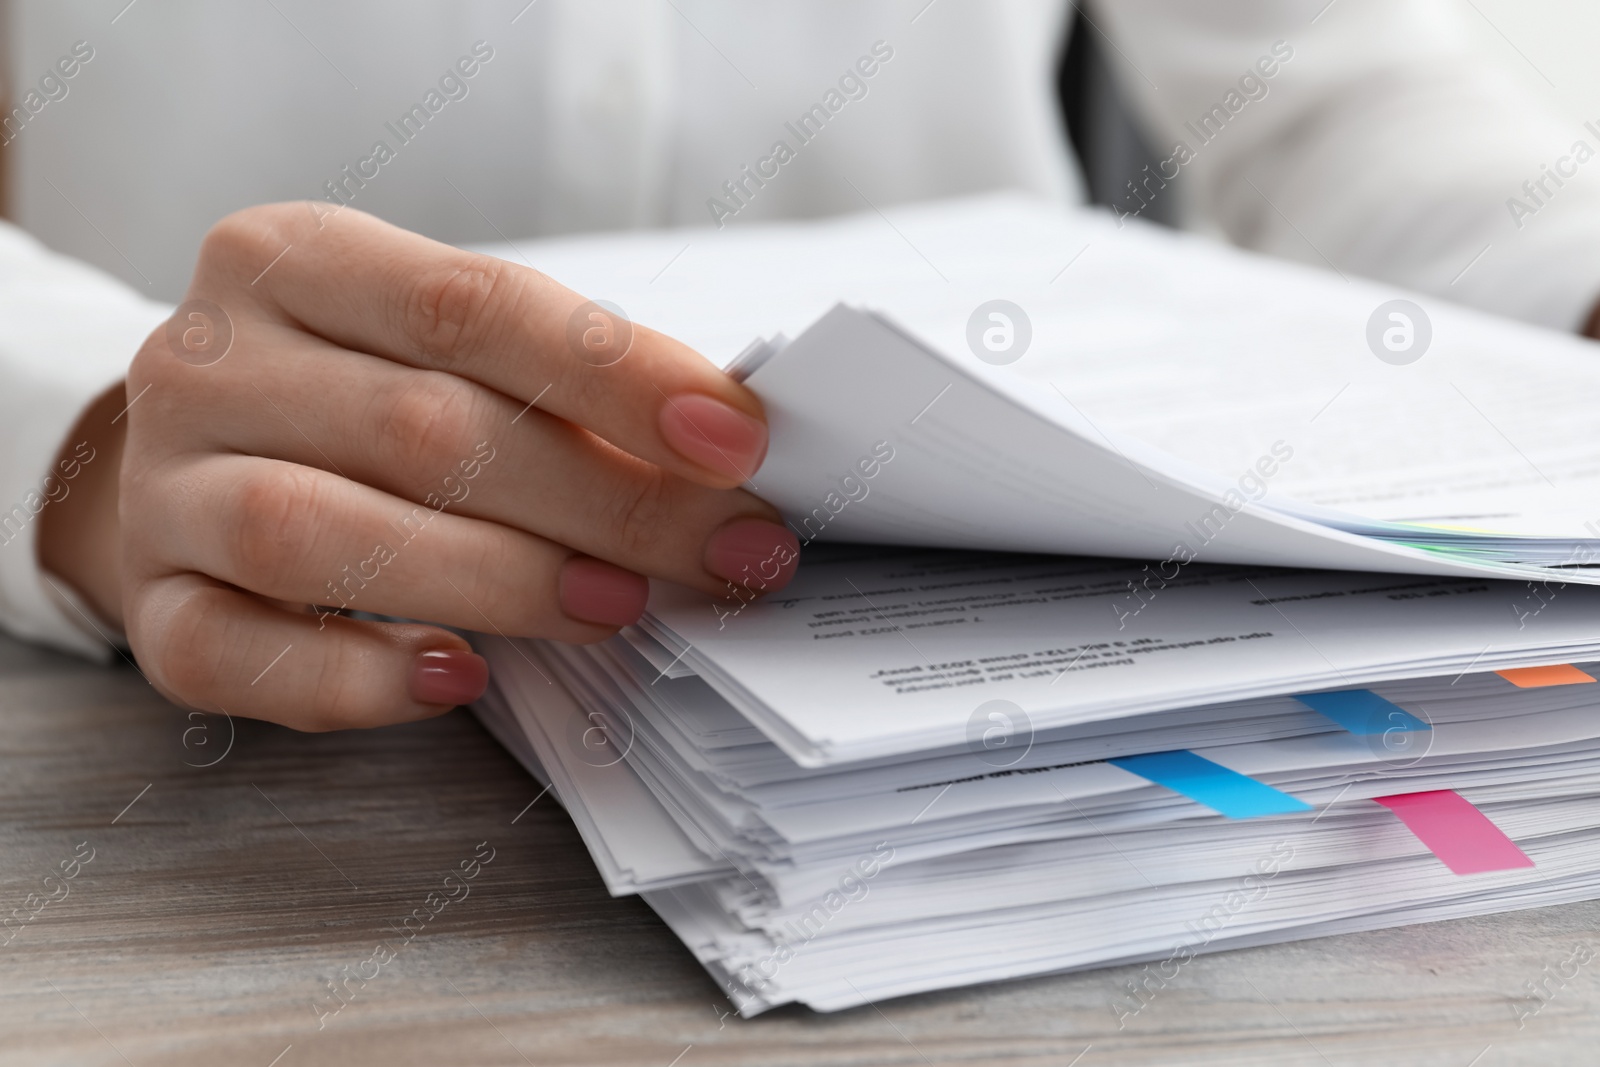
(1456, 832)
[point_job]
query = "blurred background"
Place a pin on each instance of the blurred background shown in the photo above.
(1548, 47)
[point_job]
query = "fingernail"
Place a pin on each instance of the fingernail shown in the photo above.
(755, 553)
(714, 435)
(448, 676)
(593, 590)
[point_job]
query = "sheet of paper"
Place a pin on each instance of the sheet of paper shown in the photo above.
(915, 643)
(924, 449)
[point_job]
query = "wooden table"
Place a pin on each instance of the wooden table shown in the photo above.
(221, 900)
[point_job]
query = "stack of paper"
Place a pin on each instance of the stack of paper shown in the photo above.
(917, 768)
(1173, 399)
(1008, 793)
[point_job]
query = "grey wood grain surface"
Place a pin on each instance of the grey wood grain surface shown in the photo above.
(221, 900)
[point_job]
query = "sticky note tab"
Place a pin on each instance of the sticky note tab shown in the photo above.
(1361, 711)
(1539, 677)
(1456, 832)
(1226, 792)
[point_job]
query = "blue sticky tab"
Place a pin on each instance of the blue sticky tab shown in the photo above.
(1227, 792)
(1363, 712)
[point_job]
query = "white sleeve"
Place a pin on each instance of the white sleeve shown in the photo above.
(67, 333)
(1382, 146)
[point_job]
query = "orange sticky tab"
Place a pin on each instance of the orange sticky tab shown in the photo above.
(1539, 677)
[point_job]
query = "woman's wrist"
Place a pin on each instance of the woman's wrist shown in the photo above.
(79, 530)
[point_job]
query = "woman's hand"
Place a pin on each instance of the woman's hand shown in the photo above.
(347, 415)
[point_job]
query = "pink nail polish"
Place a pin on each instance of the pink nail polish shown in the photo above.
(754, 553)
(593, 590)
(448, 676)
(714, 435)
